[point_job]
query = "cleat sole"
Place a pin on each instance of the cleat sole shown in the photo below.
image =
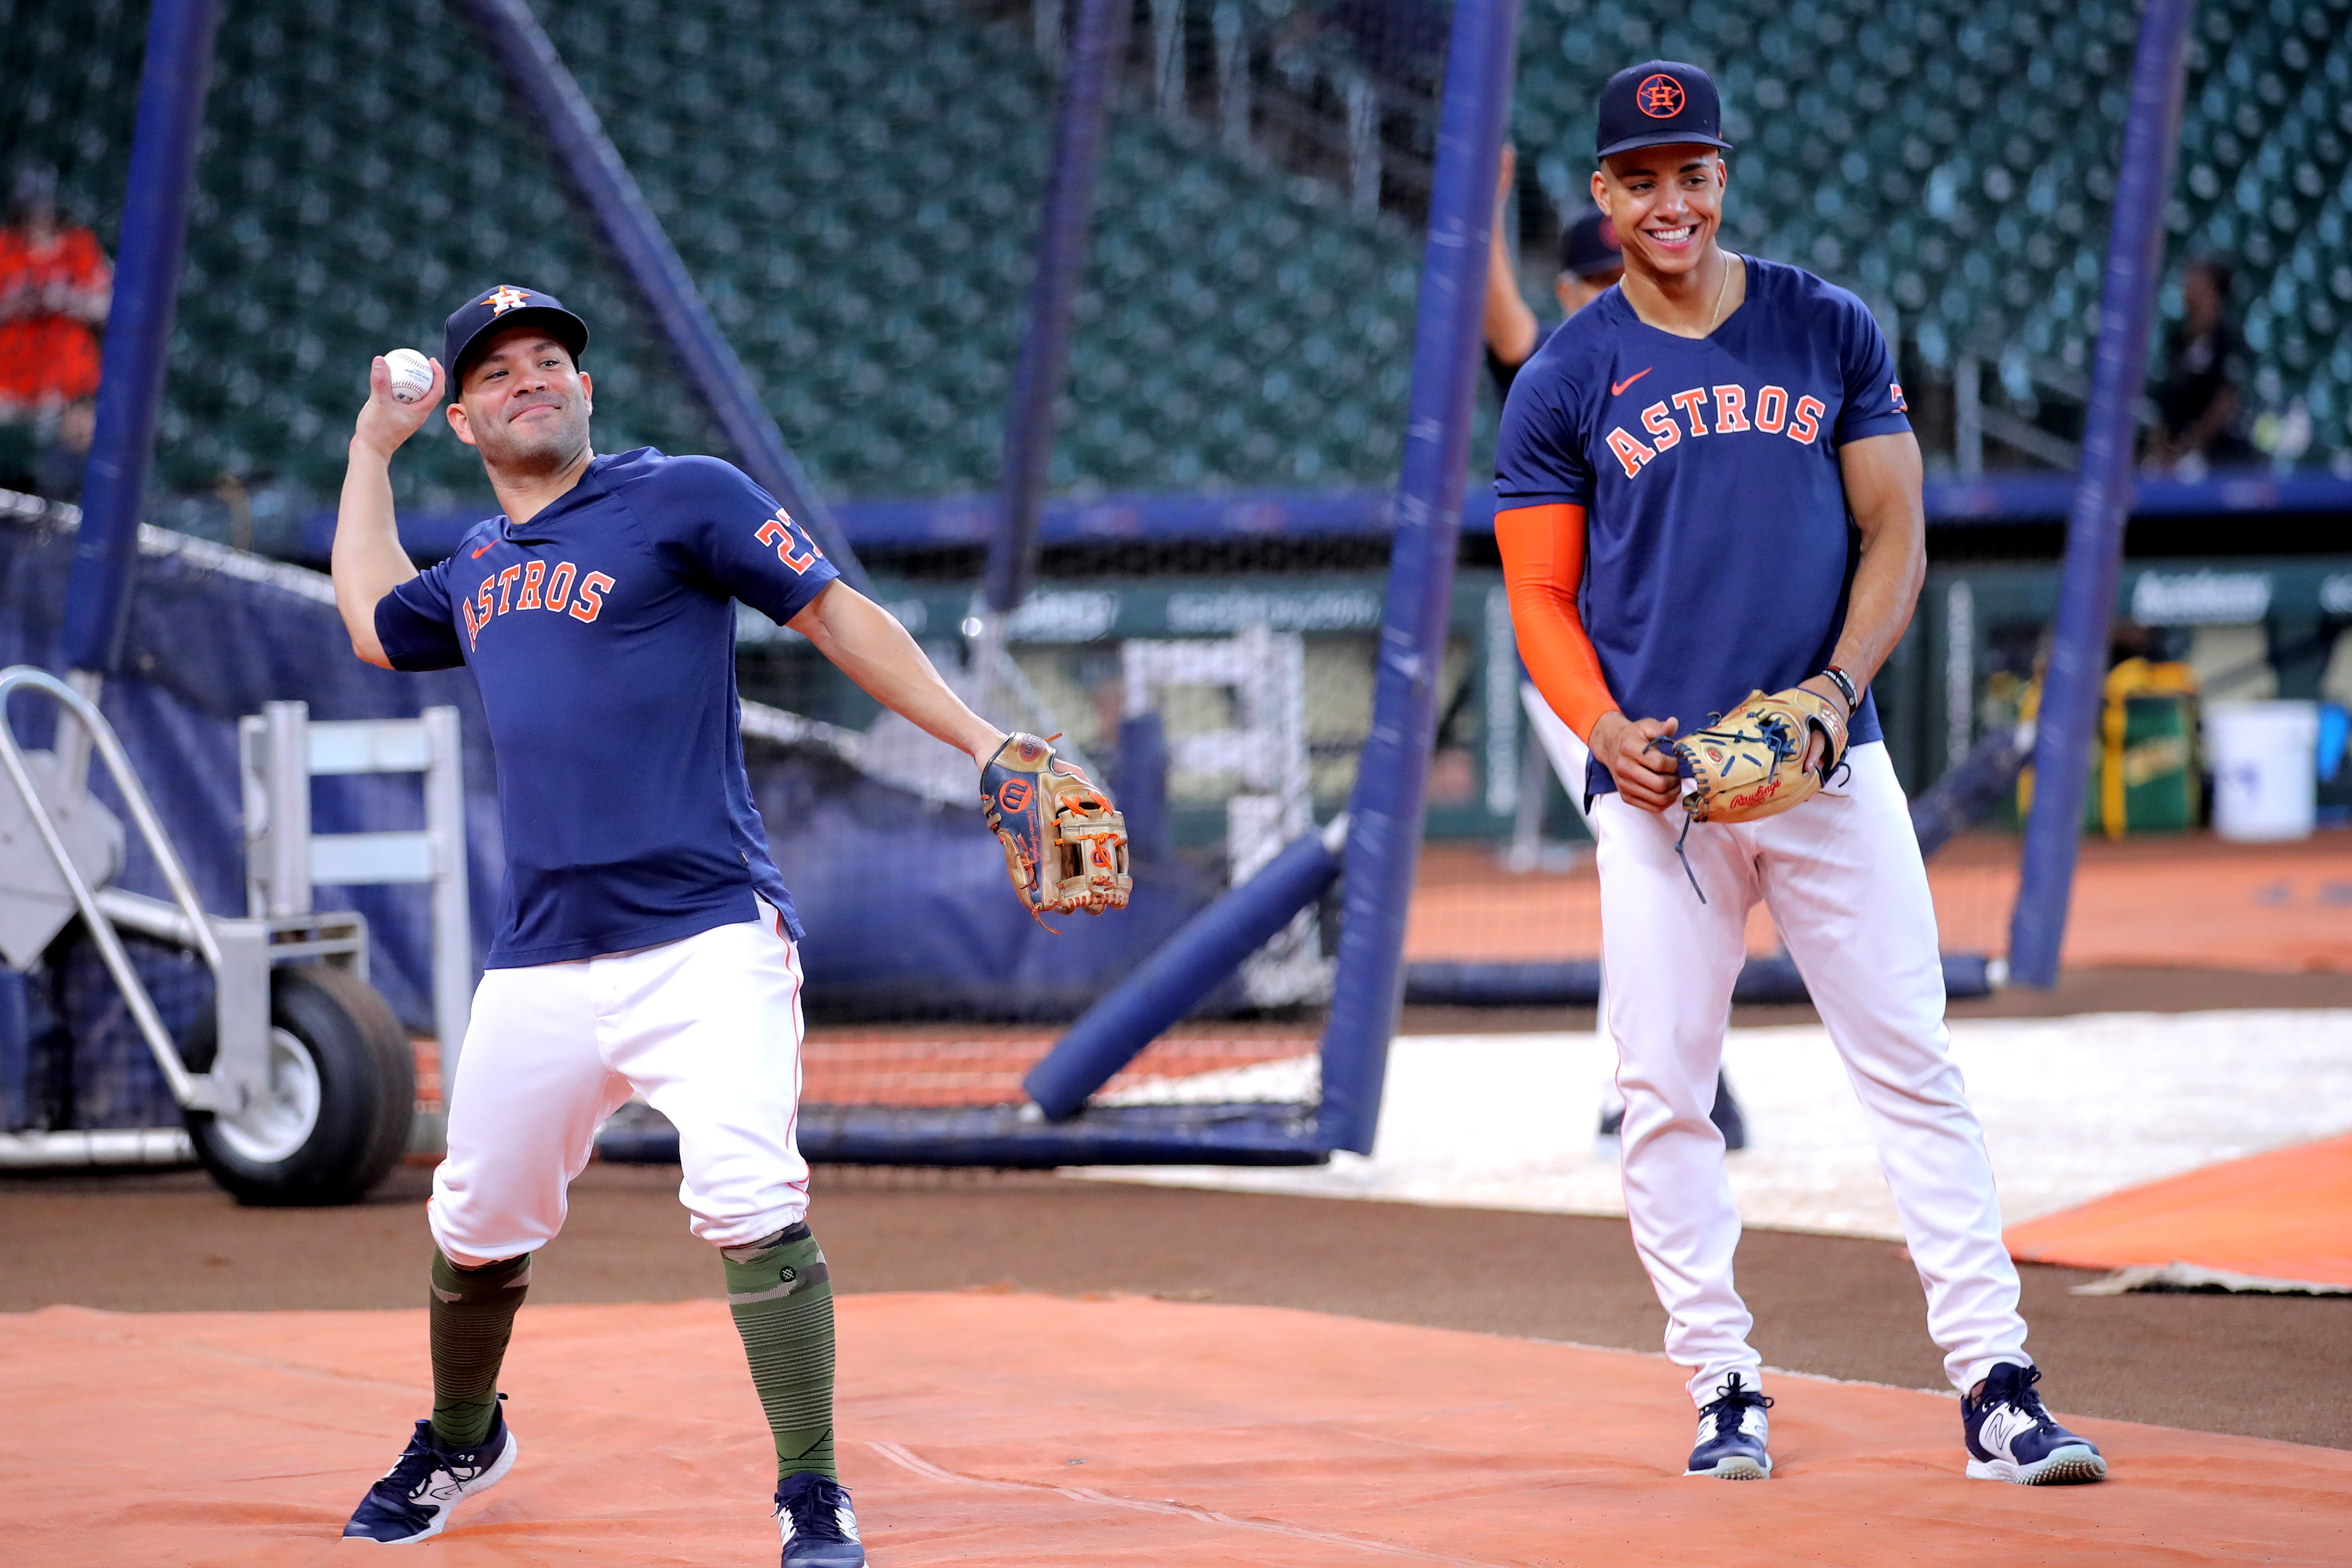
(2073, 1466)
(1733, 1469)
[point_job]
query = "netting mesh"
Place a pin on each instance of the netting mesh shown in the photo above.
(854, 189)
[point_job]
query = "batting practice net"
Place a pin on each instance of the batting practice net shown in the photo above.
(854, 188)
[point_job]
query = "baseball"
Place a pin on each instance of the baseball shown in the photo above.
(411, 374)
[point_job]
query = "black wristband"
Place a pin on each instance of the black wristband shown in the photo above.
(1845, 685)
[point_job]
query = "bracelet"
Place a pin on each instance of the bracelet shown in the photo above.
(1844, 684)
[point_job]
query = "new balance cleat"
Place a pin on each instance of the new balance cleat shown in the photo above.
(1732, 1433)
(414, 1499)
(820, 1527)
(2011, 1438)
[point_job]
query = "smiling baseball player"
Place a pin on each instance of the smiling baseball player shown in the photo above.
(1708, 487)
(645, 942)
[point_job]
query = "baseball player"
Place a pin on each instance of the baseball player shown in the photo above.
(1590, 261)
(644, 942)
(1707, 484)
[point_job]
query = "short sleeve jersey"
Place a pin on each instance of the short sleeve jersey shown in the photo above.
(1719, 549)
(601, 636)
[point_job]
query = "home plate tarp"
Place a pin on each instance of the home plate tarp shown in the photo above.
(2282, 1218)
(985, 1429)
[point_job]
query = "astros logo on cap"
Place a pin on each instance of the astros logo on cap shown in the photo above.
(505, 297)
(1660, 97)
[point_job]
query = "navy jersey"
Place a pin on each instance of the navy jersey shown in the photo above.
(1719, 549)
(602, 637)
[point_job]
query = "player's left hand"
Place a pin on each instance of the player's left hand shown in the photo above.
(1826, 689)
(1065, 842)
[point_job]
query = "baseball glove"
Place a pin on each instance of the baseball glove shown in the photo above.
(1750, 763)
(1064, 843)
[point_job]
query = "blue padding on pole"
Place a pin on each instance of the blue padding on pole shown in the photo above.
(1576, 982)
(139, 328)
(1139, 780)
(998, 1136)
(1096, 50)
(2072, 691)
(604, 185)
(1173, 980)
(1393, 775)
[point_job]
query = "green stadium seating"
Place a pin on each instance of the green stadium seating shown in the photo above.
(1950, 159)
(855, 184)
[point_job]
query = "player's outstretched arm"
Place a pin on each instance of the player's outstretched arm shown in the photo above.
(871, 648)
(367, 561)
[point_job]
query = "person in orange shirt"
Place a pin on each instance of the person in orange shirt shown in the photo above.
(56, 284)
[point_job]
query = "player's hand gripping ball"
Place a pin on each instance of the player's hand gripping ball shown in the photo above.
(1750, 763)
(1064, 843)
(411, 374)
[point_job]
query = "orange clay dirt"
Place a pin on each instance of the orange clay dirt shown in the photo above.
(1001, 1429)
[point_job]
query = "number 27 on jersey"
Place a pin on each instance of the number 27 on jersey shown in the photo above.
(794, 546)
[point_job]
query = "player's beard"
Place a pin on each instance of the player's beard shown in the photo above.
(529, 448)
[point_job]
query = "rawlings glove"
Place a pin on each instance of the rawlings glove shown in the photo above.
(1750, 763)
(1064, 843)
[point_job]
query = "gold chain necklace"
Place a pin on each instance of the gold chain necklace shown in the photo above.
(1720, 289)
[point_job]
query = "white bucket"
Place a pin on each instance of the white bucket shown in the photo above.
(2266, 769)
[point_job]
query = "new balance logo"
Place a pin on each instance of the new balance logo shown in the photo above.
(2002, 1423)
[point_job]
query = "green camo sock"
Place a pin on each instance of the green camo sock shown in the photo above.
(782, 1296)
(472, 1315)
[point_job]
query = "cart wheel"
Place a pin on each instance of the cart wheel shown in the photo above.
(342, 1088)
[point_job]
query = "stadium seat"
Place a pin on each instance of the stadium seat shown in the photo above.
(2012, 107)
(855, 184)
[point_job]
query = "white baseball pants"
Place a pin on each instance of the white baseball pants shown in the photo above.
(1843, 878)
(708, 1028)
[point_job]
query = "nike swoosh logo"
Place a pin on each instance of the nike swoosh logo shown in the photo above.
(485, 549)
(1616, 388)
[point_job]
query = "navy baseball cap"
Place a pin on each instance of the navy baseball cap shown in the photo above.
(1663, 103)
(1590, 247)
(505, 305)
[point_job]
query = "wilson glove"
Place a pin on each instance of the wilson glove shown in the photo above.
(1064, 843)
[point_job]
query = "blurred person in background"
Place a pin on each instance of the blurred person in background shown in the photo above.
(2196, 399)
(56, 286)
(1591, 262)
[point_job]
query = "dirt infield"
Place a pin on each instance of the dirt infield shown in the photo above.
(2186, 900)
(2264, 1366)
(989, 1431)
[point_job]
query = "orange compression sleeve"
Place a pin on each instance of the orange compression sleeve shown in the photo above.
(1543, 566)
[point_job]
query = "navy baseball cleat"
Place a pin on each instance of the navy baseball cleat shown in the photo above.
(820, 1527)
(414, 1499)
(1732, 1433)
(2011, 1438)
